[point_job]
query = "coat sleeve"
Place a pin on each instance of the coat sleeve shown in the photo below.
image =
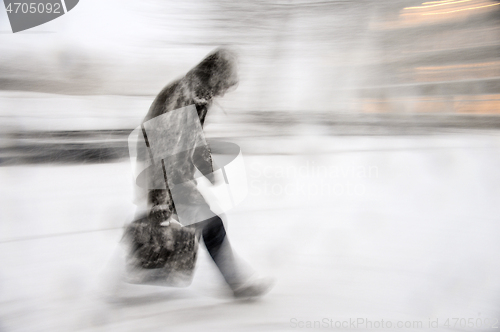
(202, 160)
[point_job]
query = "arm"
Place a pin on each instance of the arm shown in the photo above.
(202, 160)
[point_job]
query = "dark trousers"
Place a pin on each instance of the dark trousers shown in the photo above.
(214, 234)
(215, 239)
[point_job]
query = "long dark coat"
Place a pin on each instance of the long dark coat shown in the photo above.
(209, 79)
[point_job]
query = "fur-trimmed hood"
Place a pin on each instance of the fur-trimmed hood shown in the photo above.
(211, 78)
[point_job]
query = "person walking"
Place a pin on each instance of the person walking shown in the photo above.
(211, 78)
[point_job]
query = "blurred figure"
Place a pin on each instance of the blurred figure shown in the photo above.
(151, 234)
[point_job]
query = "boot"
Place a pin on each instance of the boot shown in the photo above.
(254, 287)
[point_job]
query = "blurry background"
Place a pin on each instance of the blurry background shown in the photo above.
(370, 133)
(353, 67)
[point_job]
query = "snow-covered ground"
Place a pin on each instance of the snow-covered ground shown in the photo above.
(400, 229)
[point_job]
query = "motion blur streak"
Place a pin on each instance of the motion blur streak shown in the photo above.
(369, 132)
(440, 4)
(459, 10)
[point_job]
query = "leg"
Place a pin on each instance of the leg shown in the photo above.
(241, 279)
(215, 239)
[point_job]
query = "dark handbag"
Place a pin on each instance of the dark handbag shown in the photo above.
(160, 255)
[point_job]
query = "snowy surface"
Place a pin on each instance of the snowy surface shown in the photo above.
(392, 228)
